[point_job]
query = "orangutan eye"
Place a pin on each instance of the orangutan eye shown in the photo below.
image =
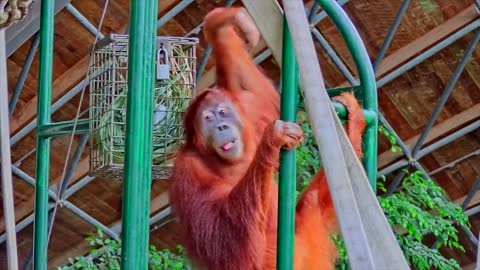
(208, 117)
(222, 112)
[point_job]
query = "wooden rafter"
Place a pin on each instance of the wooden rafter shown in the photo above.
(423, 43)
(426, 41)
(437, 132)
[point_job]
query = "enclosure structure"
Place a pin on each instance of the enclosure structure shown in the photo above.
(424, 46)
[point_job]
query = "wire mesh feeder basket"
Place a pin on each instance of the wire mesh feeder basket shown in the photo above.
(174, 88)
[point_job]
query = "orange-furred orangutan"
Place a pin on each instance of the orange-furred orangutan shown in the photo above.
(223, 188)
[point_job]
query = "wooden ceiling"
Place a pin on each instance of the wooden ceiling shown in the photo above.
(407, 103)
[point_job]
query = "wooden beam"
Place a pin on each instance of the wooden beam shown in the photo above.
(21, 212)
(268, 17)
(470, 267)
(423, 43)
(438, 131)
(18, 33)
(430, 39)
(474, 202)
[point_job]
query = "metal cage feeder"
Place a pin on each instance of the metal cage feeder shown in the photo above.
(174, 88)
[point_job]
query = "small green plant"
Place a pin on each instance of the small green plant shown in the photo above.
(308, 157)
(381, 183)
(342, 263)
(391, 137)
(420, 209)
(106, 254)
(417, 210)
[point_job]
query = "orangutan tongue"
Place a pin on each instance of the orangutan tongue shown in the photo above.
(227, 146)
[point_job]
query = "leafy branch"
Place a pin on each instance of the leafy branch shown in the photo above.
(391, 137)
(106, 254)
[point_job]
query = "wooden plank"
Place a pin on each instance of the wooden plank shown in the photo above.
(355, 203)
(21, 212)
(61, 86)
(438, 131)
(157, 203)
(470, 267)
(6, 165)
(475, 200)
(431, 38)
(18, 33)
(268, 17)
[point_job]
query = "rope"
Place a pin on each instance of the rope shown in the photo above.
(12, 11)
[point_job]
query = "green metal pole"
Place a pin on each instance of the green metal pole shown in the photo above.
(138, 148)
(40, 249)
(287, 175)
(367, 80)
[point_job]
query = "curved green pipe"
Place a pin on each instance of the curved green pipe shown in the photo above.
(367, 81)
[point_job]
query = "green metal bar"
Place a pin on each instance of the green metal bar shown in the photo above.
(138, 160)
(47, 28)
(367, 80)
(287, 174)
(357, 91)
(64, 128)
(342, 112)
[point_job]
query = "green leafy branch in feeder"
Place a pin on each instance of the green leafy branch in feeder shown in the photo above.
(171, 100)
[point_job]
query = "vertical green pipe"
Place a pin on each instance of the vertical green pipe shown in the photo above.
(286, 198)
(367, 80)
(138, 148)
(40, 249)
